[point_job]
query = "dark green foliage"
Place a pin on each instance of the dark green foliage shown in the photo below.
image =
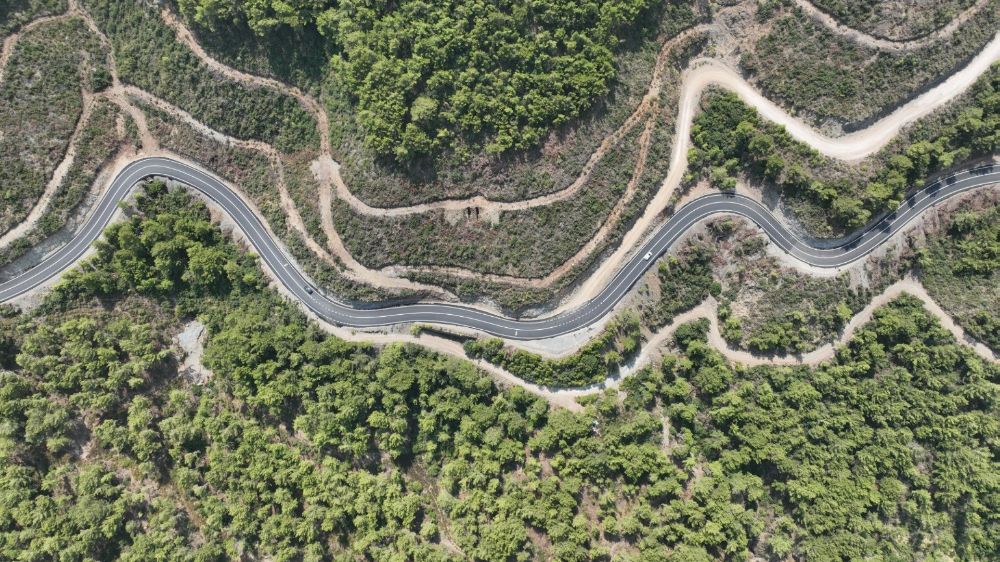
(730, 137)
(101, 79)
(961, 268)
(40, 103)
(301, 446)
(433, 76)
(884, 19)
(149, 56)
(593, 363)
(15, 13)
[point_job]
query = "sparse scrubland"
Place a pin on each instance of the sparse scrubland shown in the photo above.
(820, 75)
(894, 20)
(41, 100)
(828, 198)
(15, 13)
(150, 57)
(303, 446)
(523, 243)
(98, 143)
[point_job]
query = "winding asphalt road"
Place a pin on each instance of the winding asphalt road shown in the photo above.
(830, 255)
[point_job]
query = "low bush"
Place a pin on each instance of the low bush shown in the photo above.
(150, 57)
(593, 363)
(40, 104)
(731, 138)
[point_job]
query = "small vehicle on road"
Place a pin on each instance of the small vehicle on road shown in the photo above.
(308, 289)
(647, 256)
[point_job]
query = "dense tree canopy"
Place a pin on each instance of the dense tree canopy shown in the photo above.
(301, 446)
(429, 76)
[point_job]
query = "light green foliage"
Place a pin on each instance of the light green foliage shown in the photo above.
(960, 267)
(305, 447)
(95, 362)
(593, 363)
(433, 76)
(730, 136)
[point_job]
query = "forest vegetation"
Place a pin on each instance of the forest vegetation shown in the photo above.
(39, 109)
(838, 83)
(300, 446)
(730, 139)
(459, 74)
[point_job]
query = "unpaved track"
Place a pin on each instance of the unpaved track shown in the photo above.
(649, 353)
(11, 40)
(908, 285)
(706, 73)
(883, 44)
(603, 232)
(927, 102)
(355, 270)
(55, 182)
(851, 147)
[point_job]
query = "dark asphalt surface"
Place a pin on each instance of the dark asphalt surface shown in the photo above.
(832, 254)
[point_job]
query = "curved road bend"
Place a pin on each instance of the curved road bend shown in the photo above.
(843, 252)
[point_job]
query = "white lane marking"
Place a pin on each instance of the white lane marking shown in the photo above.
(662, 239)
